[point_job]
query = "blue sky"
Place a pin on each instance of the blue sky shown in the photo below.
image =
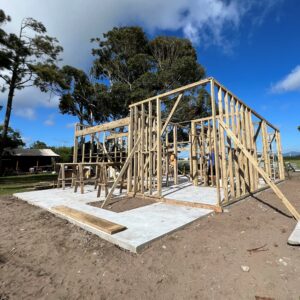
(251, 47)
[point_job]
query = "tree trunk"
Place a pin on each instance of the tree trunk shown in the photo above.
(7, 117)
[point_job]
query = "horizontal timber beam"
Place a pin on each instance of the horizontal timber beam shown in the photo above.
(181, 89)
(103, 127)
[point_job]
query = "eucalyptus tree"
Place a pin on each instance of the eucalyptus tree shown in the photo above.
(27, 54)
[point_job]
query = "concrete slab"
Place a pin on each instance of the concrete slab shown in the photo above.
(90, 195)
(294, 238)
(144, 224)
(187, 192)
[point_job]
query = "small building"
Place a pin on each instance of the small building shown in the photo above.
(26, 160)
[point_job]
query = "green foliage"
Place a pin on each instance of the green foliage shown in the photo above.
(136, 68)
(65, 153)
(13, 139)
(4, 60)
(24, 57)
(29, 53)
(38, 145)
(128, 68)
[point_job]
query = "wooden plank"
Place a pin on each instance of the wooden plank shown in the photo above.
(240, 155)
(135, 159)
(265, 176)
(203, 165)
(266, 148)
(124, 168)
(190, 204)
(171, 114)
(210, 171)
(159, 148)
(83, 152)
(150, 157)
(139, 154)
(142, 145)
(130, 144)
(90, 220)
(175, 91)
(230, 160)
(254, 149)
(244, 141)
(222, 149)
(279, 153)
(104, 127)
(175, 154)
(216, 148)
(250, 149)
(194, 164)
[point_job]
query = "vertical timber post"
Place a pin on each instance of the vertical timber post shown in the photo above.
(279, 153)
(216, 148)
(194, 154)
(159, 148)
(175, 154)
(130, 139)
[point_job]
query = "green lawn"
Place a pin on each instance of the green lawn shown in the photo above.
(293, 160)
(13, 184)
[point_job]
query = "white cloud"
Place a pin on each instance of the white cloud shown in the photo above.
(70, 125)
(27, 140)
(26, 102)
(25, 112)
(290, 82)
(75, 22)
(50, 120)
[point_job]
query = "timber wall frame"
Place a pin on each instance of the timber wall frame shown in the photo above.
(245, 146)
(101, 143)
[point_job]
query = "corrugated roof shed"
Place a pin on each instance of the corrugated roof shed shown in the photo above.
(33, 152)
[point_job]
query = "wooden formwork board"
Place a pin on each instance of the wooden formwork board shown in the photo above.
(90, 220)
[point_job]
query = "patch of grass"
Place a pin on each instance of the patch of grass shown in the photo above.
(14, 184)
(12, 190)
(27, 178)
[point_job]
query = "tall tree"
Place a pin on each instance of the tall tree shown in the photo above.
(38, 145)
(4, 59)
(78, 93)
(27, 54)
(13, 138)
(135, 68)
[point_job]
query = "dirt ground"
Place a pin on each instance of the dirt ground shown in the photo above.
(44, 257)
(124, 203)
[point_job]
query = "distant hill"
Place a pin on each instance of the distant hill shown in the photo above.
(291, 154)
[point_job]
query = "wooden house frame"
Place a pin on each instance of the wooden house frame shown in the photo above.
(245, 147)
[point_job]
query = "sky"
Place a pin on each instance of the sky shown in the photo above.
(250, 46)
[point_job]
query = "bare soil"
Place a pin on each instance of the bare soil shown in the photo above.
(124, 203)
(44, 257)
